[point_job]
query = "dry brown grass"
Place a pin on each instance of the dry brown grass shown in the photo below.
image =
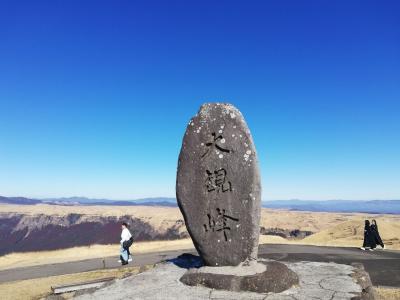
(41, 287)
(26, 259)
(351, 233)
(100, 210)
(303, 220)
(160, 217)
(155, 216)
(387, 293)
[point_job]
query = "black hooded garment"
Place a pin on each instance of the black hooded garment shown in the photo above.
(376, 235)
(369, 237)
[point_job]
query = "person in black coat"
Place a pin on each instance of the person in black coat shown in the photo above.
(375, 232)
(369, 238)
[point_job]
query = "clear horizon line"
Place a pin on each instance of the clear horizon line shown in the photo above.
(166, 197)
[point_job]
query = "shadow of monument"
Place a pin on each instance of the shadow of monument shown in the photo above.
(187, 261)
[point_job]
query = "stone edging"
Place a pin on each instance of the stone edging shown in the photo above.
(362, 278)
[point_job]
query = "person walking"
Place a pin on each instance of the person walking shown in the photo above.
(369, 240)
(376, 235)
(126, 242)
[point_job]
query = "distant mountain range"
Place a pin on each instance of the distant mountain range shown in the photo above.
(161, 201)
(372, 206)
(350, 206)
(19, 200)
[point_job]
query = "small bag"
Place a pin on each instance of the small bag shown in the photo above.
(127, 243)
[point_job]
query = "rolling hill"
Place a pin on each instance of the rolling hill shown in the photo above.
(351, 233)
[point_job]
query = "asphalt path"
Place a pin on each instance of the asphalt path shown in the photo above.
(382, 265)
(85, 265)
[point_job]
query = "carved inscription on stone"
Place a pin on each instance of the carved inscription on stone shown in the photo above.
(218, 186)
(220, 222)
(216, 181)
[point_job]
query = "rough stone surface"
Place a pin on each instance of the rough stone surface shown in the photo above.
(162, 282)
(316, 281)
(218, 186)
(244, 269)
(363, 279)
(275, 278)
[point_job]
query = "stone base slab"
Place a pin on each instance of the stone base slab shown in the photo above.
(267, 276)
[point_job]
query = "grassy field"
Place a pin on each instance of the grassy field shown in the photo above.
(351, 233)
(387, 293)
(160, 216)
(331, 229)
(26, 259)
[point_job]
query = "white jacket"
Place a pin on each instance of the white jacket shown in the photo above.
(125, 235)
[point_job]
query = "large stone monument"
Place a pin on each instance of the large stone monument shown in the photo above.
(218, 186)
(219, 193)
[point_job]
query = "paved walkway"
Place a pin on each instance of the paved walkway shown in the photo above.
(383, 266)
(84, 266)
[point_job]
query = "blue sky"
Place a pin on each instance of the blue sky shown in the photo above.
(95, 95)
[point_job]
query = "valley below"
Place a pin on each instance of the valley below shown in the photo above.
(42, 227)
